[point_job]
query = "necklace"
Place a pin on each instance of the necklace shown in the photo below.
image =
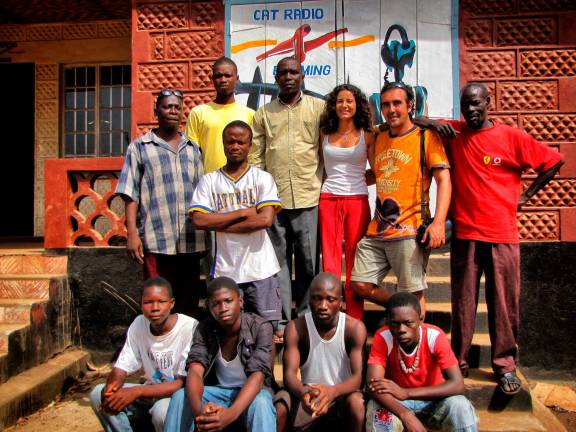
(414, 367)
(346, 136)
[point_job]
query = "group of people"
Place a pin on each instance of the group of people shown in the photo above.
(263, 185)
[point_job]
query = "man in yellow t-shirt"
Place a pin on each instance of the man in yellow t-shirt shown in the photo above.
(390, 242)
(206, 122)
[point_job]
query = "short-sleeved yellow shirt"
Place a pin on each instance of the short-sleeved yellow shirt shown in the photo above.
(398, 182)
(205, 125)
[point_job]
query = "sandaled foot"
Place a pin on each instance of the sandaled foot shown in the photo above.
(509, 383)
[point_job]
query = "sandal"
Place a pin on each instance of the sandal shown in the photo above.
(509, 383)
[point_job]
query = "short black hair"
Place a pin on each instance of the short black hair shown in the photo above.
(157, 281)
(401, 299)
(220, 283)
(239, 124)
(224, 60)
(290, 58)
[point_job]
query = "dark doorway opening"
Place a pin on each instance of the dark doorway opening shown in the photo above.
(17, 169)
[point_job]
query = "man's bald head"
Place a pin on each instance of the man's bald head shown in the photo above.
(475, 88)
(327, 281)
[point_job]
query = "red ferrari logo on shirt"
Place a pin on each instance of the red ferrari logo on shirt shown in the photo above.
(487, 160)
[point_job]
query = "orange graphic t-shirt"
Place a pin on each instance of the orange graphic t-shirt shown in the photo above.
(398, 182)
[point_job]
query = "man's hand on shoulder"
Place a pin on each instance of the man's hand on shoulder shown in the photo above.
(386, 386)
(444, 129)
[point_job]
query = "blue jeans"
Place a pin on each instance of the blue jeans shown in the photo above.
(454, 413)
(259, 417)
(120, 422)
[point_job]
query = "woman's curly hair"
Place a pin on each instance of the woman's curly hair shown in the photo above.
(362, 118)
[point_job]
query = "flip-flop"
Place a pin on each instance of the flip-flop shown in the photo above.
(507, 379)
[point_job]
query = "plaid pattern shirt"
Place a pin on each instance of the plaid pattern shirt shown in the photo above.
(162, 182)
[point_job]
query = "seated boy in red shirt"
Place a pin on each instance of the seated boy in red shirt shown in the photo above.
(413, 377)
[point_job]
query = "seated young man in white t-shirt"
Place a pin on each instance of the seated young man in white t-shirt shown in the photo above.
(158, 341)
(239, 202)
(414, 381)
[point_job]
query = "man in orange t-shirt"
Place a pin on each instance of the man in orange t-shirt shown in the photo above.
(390, 240)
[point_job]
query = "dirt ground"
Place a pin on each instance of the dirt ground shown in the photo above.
(72, 413)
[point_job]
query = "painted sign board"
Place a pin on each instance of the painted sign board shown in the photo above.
(363, 42)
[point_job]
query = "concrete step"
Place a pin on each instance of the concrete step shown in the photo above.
(438, 287)
(25, 264)
(38, 386)
(14, 311)
(510, 422)
(480, 351)
(5, 331)
(483, 391)
(29, 288)
(17, 249)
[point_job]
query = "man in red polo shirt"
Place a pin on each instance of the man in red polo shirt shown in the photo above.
(487, 162)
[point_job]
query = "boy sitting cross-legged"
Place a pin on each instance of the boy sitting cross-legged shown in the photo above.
(158, 341)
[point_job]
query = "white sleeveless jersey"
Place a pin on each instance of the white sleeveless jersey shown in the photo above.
(327, 362)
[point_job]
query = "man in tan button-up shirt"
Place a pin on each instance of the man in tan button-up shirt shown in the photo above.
(285, 144)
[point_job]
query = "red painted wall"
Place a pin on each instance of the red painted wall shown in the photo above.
(173, 46)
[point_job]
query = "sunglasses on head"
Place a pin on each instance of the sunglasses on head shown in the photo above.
(397, 84)
(167, 92)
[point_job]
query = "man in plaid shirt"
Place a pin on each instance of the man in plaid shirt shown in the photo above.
(159, 176)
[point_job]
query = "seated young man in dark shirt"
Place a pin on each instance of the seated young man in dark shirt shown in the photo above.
(229, 369)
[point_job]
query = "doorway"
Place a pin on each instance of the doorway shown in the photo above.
(17, 169)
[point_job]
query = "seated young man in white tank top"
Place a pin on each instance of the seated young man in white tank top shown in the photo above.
(327, 346)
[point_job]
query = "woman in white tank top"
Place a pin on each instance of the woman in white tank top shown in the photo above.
(346, 140)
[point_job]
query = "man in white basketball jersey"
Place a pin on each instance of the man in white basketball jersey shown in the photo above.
(239, 202)
(327, 346)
